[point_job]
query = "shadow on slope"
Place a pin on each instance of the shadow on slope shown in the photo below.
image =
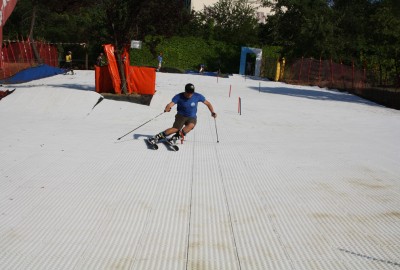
(315, 94)
(133, 98)
(72, 86)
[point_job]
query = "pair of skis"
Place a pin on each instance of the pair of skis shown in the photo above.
(168, 143)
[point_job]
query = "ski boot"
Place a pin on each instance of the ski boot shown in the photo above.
(177, 136)
(155, 139)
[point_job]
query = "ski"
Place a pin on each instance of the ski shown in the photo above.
(171, 145)
(151, 145)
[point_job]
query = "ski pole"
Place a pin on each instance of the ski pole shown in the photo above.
(140, 126)
(216, 131)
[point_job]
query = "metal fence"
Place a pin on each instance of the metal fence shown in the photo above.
(327, 73)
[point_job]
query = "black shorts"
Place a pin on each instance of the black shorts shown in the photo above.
(181, 121)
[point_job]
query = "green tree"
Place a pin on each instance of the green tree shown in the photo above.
(127, 20)
(159, 17)
(232, 21)
(351, 17)
(51, 21)
(384, 41)
(301, 27)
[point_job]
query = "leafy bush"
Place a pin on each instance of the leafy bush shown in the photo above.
(188, 53)
(142, 57)
(271, 55)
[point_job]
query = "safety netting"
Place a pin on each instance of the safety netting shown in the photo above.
(20, 55)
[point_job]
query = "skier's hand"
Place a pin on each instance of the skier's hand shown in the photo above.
(169, 106)
(213, 114)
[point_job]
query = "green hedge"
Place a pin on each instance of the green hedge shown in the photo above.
(187, 53)
(271, 55)
(142, 57)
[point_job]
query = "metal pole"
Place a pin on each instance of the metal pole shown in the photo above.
(140, 126)
(216, 131)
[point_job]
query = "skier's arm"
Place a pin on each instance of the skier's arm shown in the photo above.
(210, 107)
(169, 106)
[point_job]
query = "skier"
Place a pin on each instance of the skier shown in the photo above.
(101, 60)
(159, 59)
(68, 61)
(202, 66)
(186, 117)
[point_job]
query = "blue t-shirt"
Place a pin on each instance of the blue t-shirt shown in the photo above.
(188, 106)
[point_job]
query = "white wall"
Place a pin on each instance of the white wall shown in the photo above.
(198, 5)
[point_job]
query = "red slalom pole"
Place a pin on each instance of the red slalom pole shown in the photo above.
(230, 90)
(240, 106)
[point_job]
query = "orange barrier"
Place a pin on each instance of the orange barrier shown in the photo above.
(103, 82)
(140, 80)
(113, 68)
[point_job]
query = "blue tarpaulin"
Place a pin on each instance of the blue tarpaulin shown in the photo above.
(33, 73)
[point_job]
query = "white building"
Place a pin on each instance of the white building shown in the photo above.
(198, 5)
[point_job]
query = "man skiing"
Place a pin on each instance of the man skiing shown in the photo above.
(186, 117)
(160, 59)
(68, 61)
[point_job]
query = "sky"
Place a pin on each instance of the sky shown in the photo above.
(302, 178)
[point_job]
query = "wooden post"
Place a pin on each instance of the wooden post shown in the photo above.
(319, 71)
(301, 67)
(352, 74)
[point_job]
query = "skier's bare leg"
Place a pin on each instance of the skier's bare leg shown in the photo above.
(186, 129)
(170, 131)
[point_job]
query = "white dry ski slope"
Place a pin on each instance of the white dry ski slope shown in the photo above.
(305, 178)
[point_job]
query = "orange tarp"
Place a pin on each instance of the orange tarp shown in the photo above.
(103, 80)
(113, 68)
(145, 80)
(140, 80)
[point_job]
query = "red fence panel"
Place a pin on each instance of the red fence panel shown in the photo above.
(19, 55)
(324, 73)
(327, 73)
